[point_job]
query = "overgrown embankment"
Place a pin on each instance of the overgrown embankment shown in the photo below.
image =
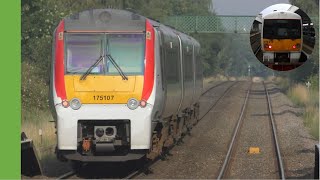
(307, 98)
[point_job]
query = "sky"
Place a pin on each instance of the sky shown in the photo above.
(278, 7)
(243, 7)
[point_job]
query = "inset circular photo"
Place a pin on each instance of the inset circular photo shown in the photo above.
(282, 37)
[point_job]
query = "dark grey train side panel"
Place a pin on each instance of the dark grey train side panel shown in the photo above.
(188, 71)
(181, 71)
(172, 71)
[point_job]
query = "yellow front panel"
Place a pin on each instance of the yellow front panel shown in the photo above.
(282, 45)
(103, 89)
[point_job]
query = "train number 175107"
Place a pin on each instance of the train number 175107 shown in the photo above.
(103, 98)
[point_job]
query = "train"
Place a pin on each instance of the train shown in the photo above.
(255, 34)
(122, 86)
(281, 38)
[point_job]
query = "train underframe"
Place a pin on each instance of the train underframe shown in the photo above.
(171, 131)
(281, 57)
(109, 141)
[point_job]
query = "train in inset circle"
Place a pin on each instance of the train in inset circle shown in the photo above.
(122, 86)
(282, 37)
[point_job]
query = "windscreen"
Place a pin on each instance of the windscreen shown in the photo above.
(128, 52)
(282, 29)
(83, 50)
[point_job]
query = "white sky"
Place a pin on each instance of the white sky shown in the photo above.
(243, 7)
(276, 7)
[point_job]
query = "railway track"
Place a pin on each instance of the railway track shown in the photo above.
(214, 86)
(67, 175)
(234, 143)
(146, 167)
(135, 174)
(216, 102)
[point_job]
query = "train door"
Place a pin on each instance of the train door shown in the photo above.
(171, 71)
(182, 69)
(162, 68)
(194, 73)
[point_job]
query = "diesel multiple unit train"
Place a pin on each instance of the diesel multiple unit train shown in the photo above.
(122, 87)
(282, 39)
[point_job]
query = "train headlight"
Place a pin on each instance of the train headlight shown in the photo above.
(65, 103)
(133, 103)
(99, 132)
(143, 103)
(267, 46)
(75, 103)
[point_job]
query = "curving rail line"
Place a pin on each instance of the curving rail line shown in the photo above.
(136, 173)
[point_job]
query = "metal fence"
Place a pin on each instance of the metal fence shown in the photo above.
(214, 24)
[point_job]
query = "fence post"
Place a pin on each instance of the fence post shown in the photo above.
(40, 134)
(235, 24)
(196, 30)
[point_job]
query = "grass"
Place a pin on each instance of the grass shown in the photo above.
(207, 81)
(311, 120)
(34, 120)
(283, 83)
(309, 100)
(299, 95)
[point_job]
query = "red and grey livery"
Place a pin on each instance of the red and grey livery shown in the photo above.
(122, 86)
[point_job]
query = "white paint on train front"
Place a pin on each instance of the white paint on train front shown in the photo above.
(140, 122)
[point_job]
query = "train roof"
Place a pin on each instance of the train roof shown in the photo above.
(105, 20)
(112, 20)
(282, 15)
(288, 8)
(279, 7)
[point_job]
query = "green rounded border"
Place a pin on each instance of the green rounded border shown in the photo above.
(10, 31)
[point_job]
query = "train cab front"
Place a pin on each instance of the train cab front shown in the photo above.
(102, 79)
(281, 39)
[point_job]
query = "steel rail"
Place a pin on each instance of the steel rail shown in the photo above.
(214, 87)
(139, 171)
(226, 161)
(224, 94)
(258, 49)
(67, 175)
(274, 133)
